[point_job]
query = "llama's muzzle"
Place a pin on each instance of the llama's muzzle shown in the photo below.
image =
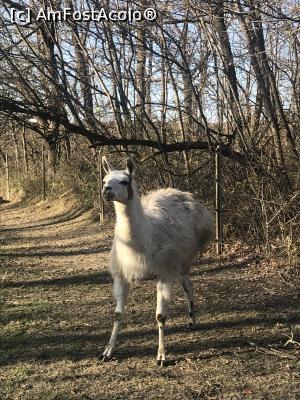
(107, 194)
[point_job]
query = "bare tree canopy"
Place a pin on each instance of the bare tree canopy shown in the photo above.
(215, 72)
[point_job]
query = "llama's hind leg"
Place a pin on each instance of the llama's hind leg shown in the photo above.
(121, 289)
(164, 292)
(187, 285)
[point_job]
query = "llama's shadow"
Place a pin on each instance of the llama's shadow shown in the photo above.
(208, 266)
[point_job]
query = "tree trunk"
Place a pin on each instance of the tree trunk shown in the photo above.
(140, 77)
(187, 90)
(268, 72)
(254, 51)
(229, 68)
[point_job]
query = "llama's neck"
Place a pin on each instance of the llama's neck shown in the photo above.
(130, 225)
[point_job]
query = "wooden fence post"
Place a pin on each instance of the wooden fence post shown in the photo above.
(218, 202)
(44, 172)
(100, 185)
(7, 178)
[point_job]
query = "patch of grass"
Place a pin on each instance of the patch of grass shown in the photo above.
(19, 373)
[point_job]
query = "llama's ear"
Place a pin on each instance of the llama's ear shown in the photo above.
(106, 165)
(130, 166)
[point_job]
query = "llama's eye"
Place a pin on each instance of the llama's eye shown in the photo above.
(124, 183)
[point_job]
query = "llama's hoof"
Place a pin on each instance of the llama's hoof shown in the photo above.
(107, 354)
(193, 326)
(161, 363)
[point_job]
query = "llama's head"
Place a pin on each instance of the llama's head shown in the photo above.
(118, 183)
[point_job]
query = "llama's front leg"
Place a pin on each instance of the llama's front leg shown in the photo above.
(164, 292)
(121, 288)
(187, 285)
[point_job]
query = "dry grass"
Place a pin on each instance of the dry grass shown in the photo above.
(57, 315)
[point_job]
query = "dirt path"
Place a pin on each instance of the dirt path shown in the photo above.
(57, 314)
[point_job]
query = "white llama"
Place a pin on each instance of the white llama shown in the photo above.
(157, 235)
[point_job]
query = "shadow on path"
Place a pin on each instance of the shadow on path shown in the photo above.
(32, 252)
(71, 215)
(89, 279)
(207, 336)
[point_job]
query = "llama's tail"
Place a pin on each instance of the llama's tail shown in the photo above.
(206, 230)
